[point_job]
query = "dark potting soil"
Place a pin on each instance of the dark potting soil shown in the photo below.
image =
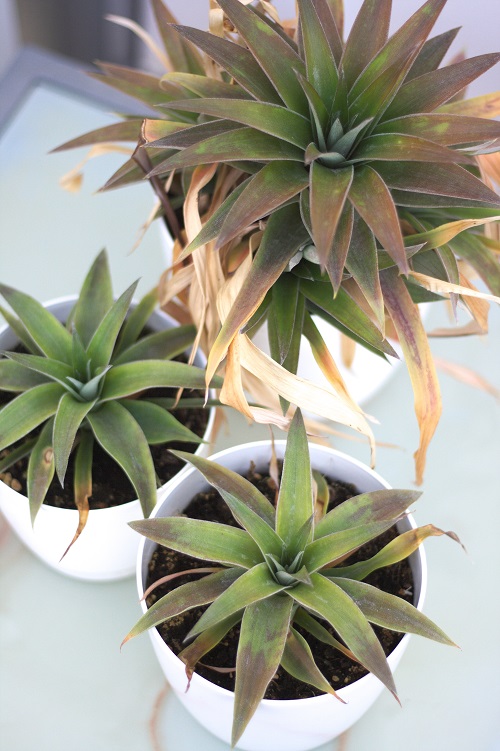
(110, 485)
(337, 668)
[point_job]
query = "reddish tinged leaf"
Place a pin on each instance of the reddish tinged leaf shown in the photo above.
(392, 612)
(283, 236)
(321, 67)
(206, 87)
(396, 147)
(413, 340)
(236, 60)
(433, 89)
(204, 643)
(370, 102)
(331, 603)
(264, 630)
(274, 55)
(298, 660)
(269, 118)
(367, 37)
(187, 596)
(437, 179)
(128, 130)
(271, 187)
(329, 21)
(245, 143)
(362, 263)
(328, 191)
(336, 259)
(432, 54)
(141, 86)
(182, 55)
(294, 509)
(447, 130)
(403, 45)
(372, 200)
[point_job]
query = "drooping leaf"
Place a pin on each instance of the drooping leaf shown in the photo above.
(437, 179)
(82, 483)
(418, 357)
(397, 550)
(344, 310)
(283, 235)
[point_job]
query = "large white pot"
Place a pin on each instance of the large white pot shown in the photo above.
(293, 725)
(107, 547)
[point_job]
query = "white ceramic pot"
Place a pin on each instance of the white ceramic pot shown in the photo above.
(293, 725)
(107, 547)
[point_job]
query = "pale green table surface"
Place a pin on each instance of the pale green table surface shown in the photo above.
(64, 684)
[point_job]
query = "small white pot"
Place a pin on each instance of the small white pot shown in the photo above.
(107, 547)
(293, 725)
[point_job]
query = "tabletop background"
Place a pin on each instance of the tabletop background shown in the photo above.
(64, 684)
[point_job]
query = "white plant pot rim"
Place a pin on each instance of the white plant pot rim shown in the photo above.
(281, 706)
(119, 514)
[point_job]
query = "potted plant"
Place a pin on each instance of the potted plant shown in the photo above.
(284, 575)
(78, 410)
(338, 177)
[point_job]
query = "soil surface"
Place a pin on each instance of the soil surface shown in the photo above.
(337, 668)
